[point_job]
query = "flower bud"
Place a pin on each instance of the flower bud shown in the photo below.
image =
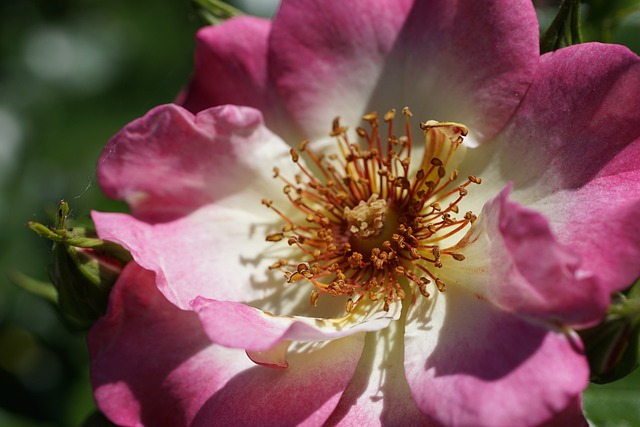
(84, 270)
(83, 277)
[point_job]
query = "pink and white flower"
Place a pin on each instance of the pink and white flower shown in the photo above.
(235, 313)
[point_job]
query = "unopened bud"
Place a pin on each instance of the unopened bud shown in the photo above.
(84, 270)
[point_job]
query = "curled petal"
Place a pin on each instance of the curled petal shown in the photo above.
(238, 325)
(513, 260)
(572, 150)
(275, 357)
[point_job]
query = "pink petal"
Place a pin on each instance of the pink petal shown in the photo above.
(222, 261)
(378, 393)
(572, 416)
(469, 363)
(230, 65)
(572, 151)
(169, 163)
(238, 325)
(153, 365)
(195, 184)
(231, 68)
(465, 61)
(579, 131)
(326, 58)
(514, 261)
(221, 254)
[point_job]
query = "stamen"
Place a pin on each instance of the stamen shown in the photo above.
(361, 225)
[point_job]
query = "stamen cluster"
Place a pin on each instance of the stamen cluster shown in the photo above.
(371, 229)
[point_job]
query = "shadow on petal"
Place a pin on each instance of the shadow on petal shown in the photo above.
(468, 340)
(304, 393)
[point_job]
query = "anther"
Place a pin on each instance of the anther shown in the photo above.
(371, 117)
(389, 115)
(292, 277)
(278, 264)
(302, 267)
(294, 155)
(336, 129)
(423, 290)
(475, 179)
(349, 306)
(275, 237)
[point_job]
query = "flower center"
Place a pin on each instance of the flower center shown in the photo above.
(363, 224)
(366, 219)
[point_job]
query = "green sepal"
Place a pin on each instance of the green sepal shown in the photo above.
(214, 12)
(612, 347)
(80, 237)
(565, 28)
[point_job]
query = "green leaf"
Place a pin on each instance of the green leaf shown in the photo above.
(614, 404)
(44, 290)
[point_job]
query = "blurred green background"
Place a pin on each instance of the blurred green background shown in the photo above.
(72, 73)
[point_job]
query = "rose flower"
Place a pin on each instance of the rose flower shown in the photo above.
(365, 213)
